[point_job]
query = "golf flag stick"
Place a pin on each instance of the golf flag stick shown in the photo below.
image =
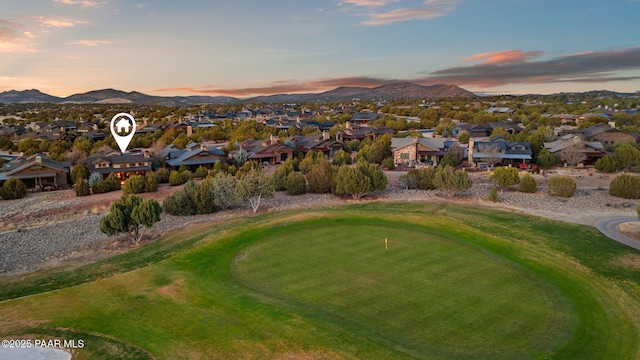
(386, 244)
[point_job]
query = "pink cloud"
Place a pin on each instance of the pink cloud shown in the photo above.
(90, 42)
(506, 56)
(430, 9)
(368, 3)
(81, 3)
(58, 22)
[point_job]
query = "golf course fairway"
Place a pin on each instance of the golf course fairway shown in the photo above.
(362, 281)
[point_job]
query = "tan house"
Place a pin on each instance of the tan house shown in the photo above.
(411, 151)
(123, 165)
(37, 171)
(266, 151)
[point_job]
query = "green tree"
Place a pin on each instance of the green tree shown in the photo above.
(451, 181)
(223, 190)
(341, 158)
(202, 172)
(241, 156)
(499, 132)
(150, 183)
(113, 182)
(606, 164)
(13, 189)
(376, 176)
(563, 186)
(625, 186)
(81, 187)
(546, 159)
(175, 178)
(132, 216)
(254, 186)
(94, 178)
(351, 181)
(627, 156)
(133, 185)
(320, 177)
(449, 159)
(505, 176)
(162, 175)
(528, 184)
(100, 187)
(179, 204)
(464, 137)
(493, 195)
(79, 172)
(295, 184)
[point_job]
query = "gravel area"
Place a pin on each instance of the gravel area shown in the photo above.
(50, 229)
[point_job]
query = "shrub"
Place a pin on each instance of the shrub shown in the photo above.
(133, 185)
(94, 178)
(546, 159)
(201, 172)
(81, 187)
(186, 175)
(420, 179)
(505, 177)
(79, 172)
(224, 186)
(352, 181)
(162, 175)
(388, 163)
(295, 184)
(13, 189)
(563, 186)
(625, 186)
(113, 181)
(175, 178)
(627, 155)
(607, 164)
(150, 183)
(101, 187)
(179, 204)
(493, 195)
(528, 184)
(448, 160)
(451, 181)
(320, 178)
(341, 157)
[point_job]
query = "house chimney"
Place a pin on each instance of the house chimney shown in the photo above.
(326, 135)
(189, 130)
(274, 139)
(470, 150)
(348, 125)
(203, 147)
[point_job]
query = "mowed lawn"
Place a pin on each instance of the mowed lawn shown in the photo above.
(451, 282)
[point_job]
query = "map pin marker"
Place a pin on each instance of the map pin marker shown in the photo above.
(123, 123)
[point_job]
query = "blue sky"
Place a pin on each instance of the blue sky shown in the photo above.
(248, 47)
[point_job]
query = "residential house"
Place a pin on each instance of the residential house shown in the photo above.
(608, 136)
(365, 118)
(123, 165)
(193, 156)
(37, 171)
(499, 151)
(319, 143)
(410, 151)
(355, 132)
(268, 151)
(575, 147)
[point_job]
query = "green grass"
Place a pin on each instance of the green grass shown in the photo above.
(455, 282)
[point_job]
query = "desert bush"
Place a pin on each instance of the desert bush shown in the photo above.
(563, 186)
(493, 195)
(606, 164)
(13, 189)
(150, 183)
(81, 187)
(113, 181)
(101, 187)
(133, 185)
(175, 179)
(94, 178)
(179, 204)
(528, 184)
(320, 178)
(201, 172)
(162, 175)
(341, 157)
(388, 163)
(625, 186)
(505, 176)
(451, 181)
(295, 184)
(79, 172)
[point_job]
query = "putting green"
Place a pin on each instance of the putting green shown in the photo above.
(427, 293)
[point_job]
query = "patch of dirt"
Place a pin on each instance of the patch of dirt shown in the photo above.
(630, 229)
(629, 260)
(173, 290)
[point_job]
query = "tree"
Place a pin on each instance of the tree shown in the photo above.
(451, 181)
(13, 189)
(223, 185)
(499, 132)
(491, 152)
(419, 179)
(625, 186)
(464, 137)
(505, 177)
(606, 164)
(179, 204)
(175, 178)
(132, 216)
(295, 184)
(113, 182)
(320, 178)
(627, 156)
(528, 184)
(150, 183)
(81, 187)
(546, 159)
(563, 186)
(448, 160)
(79, 172)
(350, 180)
(253, 186)
(573, 155)
(94, 178)
(341, 158)
(375, 174)
(133, 185)
(201, 172)
(241, 156)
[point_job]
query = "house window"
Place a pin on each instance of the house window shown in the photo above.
(404, 156)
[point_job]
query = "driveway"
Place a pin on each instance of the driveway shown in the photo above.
(609, 227)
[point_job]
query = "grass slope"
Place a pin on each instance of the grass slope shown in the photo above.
(456, 282)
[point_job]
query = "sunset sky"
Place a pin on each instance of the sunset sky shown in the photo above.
(250, 47)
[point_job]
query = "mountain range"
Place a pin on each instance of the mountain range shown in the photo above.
(400, 90)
